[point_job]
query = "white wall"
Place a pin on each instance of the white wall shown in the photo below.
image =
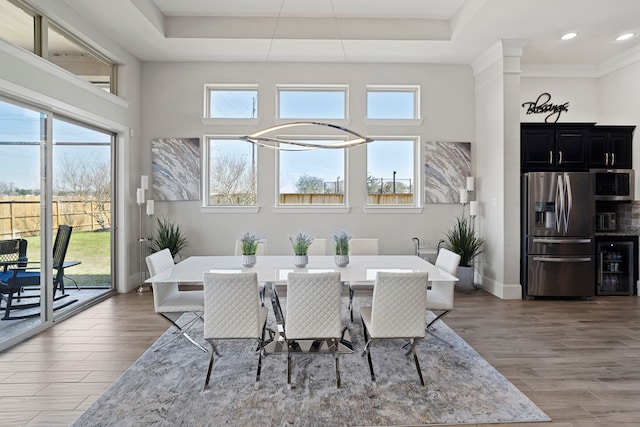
(581, 94)
(173, 107)
(619, 94)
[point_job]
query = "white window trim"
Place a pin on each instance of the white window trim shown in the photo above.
(396, 88)
(208, 87)
(417, 206)
(302, 208)
(312, 88)
(205, 207)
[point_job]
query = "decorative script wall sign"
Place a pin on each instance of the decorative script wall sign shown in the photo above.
(543, 105)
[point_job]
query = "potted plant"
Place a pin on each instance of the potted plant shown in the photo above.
(342, 248)
(249, 245)
(169, 235)
(300, 243)
(462, 240)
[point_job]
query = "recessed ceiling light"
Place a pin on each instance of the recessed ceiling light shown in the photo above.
(625, 36)
(568, 36)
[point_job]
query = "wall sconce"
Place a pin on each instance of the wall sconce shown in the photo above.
(464, 197)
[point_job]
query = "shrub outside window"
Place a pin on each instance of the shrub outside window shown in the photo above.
(231, 172)
(232, 101)
(312, 177)
(391, 172)
(392, 102)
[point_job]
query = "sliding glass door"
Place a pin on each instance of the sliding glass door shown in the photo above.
(55, 175)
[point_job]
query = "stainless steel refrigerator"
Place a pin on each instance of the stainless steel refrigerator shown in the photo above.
(558, 234)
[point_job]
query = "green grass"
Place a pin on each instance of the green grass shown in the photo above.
(91, 248)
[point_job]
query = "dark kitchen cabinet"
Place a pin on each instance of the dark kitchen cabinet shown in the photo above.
(610, 147)
(554, 147)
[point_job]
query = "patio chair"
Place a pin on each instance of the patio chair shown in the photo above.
(20, 278)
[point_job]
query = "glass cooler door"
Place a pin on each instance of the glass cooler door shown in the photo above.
(615, 268)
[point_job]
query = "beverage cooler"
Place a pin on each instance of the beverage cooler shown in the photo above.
(617, 265)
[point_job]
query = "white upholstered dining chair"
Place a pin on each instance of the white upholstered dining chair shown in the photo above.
(397, 311)
(361, 247)
(232, 310)
(169, 301)
(313, 313)
(440, 296)
(318, 247)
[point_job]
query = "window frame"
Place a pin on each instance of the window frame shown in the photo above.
(343, 207)
(206, 165)
(206, 112)
(42, 25)
(416, 206)
(344, 88)
(415, 89)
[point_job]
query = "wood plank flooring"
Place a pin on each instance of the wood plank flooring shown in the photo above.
(579, 361)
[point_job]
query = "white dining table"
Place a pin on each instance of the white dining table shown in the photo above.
(275, 268)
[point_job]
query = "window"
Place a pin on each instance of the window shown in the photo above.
(231, 101)
(391, 172)
(69, 53)
(231, 172)
(24, 27)
(392, 102)
(17, 25)
(312, 177)
(312, 102)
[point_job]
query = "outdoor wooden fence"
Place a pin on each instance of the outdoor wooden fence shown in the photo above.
(20, 215)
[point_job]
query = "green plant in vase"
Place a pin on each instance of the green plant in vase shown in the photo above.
(300, 243)
(248, 246)
(462, 239)
(169, 235)
(341, 241)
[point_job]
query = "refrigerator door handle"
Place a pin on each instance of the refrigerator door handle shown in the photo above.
(559, 205)
(569, 195)
(563, 259)
(563, 241)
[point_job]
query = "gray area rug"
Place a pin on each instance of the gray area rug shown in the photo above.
(164, 387)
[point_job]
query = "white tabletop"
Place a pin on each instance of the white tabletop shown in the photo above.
(274, 269)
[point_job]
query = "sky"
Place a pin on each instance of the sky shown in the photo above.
(383, 157)
(20, 145)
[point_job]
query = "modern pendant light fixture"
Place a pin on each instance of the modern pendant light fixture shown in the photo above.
(258, 138)
(280, 143)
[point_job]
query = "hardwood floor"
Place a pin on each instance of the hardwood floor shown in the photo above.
(579, 361)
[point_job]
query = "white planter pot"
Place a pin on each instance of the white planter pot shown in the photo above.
(465, 279)
(300, 261)
(341, 260)
(249, 260)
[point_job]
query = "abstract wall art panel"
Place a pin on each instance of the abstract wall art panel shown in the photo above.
(446, 168)
(175, 164)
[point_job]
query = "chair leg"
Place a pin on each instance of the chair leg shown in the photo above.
(183, 331)
(440, 316)
(289, 366)
(213, 351)
(367, 351)
(336, 355)
(415, 359)
(260, 350)
(351, 303)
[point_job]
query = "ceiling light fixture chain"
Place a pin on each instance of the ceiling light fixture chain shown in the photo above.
(335, 18)
(275, 29)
